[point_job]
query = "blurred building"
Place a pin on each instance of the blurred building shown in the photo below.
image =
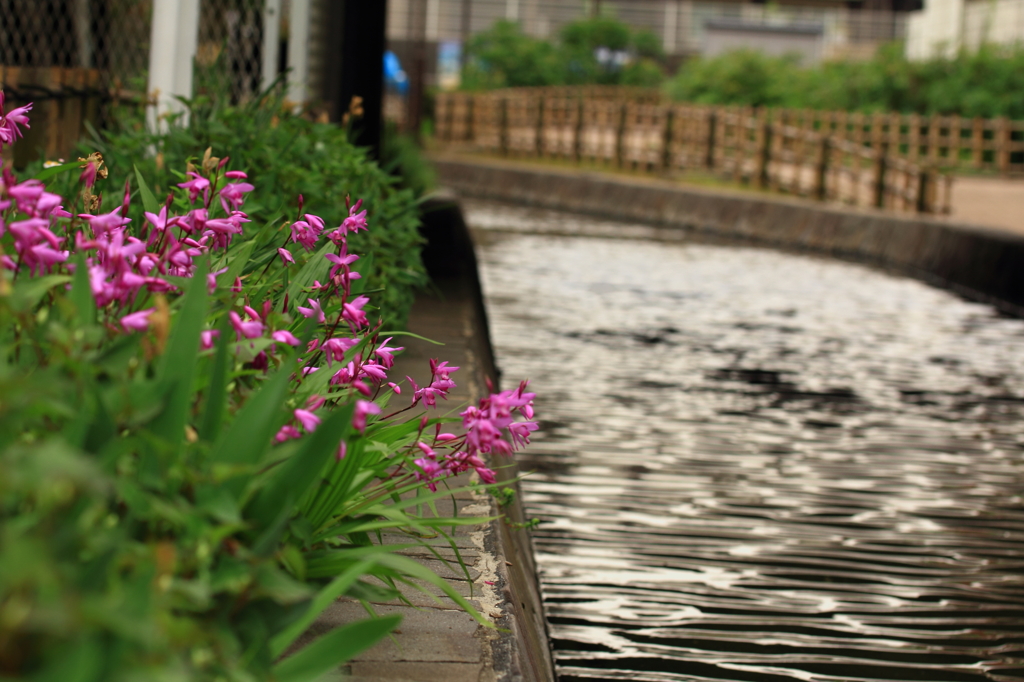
(944, 27)
(817, 29)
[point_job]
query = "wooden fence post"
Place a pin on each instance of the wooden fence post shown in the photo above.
(470, 118)
(978, 142)
(953, 149)
(923, 202)
(764, 157)
(1002, 144)
(881, 161)
(666, 139)
(577, 134)
(449, 123)
(821, 170)
(620, 135)
(540, 127)
(709, 161)
(503, 126)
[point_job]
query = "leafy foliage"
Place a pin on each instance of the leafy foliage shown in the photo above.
(162, 515)
(986, 83)
(285, 155)
(600, 50)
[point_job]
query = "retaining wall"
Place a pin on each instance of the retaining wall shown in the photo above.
(981, 263)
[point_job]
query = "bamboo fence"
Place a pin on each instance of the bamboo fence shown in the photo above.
(902, 162)
(63, 99)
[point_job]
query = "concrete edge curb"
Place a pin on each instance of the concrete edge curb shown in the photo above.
(980, 263)
(523, 651)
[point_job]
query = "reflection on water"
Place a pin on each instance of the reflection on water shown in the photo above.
(761, 466)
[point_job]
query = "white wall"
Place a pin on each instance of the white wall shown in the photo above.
(945, 26)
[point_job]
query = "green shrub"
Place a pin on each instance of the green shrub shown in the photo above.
(503, 56)
(186, 482)
(286, 156)
(986, 83)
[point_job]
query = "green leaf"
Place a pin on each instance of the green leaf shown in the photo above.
(246, 440)
(177, 368)
(27, 293)
(315, 268)
(149, 201)
(415, 336)
(324, 598)
(81, 292)
(217, 391)
(333, 649)
(303, 469)
(274, 583)
(48, 173)
(239, 259)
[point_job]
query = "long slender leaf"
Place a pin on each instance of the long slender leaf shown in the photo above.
(300, 472)
(48, 173)
(149, 201)
(245, 441)
(81, 293)
(324, 598)
(415, 336)
(216, 394)
(177, 367)
(333, 649)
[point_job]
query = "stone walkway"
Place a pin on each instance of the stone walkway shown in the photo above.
(989, 202)
(437, 641)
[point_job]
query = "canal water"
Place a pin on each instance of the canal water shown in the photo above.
(757, 465)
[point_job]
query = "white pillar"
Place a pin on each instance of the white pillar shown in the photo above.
(173, 37)
(512, 10)
(271, 41)
(83, 33)
(298, 50)
(671, 27)
(433, 20)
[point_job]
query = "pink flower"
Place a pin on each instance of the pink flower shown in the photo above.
(314, 309)
(233, 195)
(211, 279)
(88, 176)
(336, 347)
(137, 321)
(342, 449)
(355, 221)
(385, 353)
(353, 312)
(430, 471)
(307, 232)
(102, 224)
(196, 186)
(287, 432)
(363, 408)
(207, 337)
(250, 329)
(285, 336)
(9, 123)
(308, 420)
(395, 387)
(286, 256)
(236, 175)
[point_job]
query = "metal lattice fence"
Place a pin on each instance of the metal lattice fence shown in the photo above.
(74, 57)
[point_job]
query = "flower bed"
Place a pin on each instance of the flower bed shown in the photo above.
(199, 437)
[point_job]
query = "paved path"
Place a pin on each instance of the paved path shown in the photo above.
(437, 641)
(990, 202)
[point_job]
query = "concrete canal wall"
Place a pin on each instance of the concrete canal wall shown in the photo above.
(981, 263)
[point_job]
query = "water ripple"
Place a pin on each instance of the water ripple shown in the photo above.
(760, 466)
